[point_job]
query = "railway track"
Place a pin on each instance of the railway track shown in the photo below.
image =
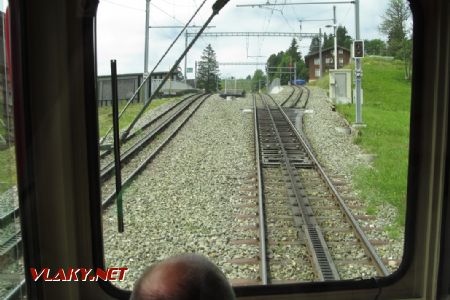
(294, 99)
(140, 148)
(306, 232)
(145, 135)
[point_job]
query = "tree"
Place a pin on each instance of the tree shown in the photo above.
(343, 39)
(208, 70)
(273, 62)
(258, 80)
(302, 70)
(314, 46)
(283, 64)
(293, 51)
(328, 41)
(375, 47)
(395, 28)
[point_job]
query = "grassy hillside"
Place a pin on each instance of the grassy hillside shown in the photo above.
(387, 97)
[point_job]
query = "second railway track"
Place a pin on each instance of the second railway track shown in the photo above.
(141, 149)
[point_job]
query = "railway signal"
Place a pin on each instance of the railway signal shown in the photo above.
(358, 49)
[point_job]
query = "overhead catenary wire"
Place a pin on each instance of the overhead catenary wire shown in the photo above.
(217, 6)
(155, 67)
(166, 13)
(124, 6)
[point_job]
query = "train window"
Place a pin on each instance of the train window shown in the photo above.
(276, 181)
(12, 278)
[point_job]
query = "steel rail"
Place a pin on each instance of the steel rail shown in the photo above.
(128, 154)
(261, 204)
(368, 247)
(298, 98)
(10, 243)
(110, 198)
(289, 97)
(17, 292)
(322, 260)
(144, 81)
(307, 96)
(9, 216)
(151, 122)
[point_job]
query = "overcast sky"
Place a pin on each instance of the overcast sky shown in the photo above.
(120, 29)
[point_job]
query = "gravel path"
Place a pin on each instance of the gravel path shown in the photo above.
(340, 156)
(185, 200)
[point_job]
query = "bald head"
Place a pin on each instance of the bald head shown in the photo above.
(184, 277)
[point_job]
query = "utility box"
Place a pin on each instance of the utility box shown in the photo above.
(341, 86)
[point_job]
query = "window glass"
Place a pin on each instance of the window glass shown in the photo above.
(11, 265)
(198, 191)
(317, 72)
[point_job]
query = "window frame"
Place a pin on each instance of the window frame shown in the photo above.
(32, 229)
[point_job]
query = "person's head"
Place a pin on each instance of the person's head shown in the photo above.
(183, 277)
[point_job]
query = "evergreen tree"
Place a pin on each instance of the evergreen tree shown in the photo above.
(314, 46)
(343, 39)
(208, 70)
(293, 51)
(328, 41)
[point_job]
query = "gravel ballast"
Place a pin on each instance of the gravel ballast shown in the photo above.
(184, 200)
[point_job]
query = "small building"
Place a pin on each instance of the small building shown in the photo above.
(312, 61)
(127, 84)
(177, 75)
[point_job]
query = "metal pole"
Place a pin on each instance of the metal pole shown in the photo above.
(147, 17)
(147, 20)
(320, 52)
(335, 38)
(295, 74)
(358, 70)
(115, 105)
(195, 74)
(216, 8)
(185, 58)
